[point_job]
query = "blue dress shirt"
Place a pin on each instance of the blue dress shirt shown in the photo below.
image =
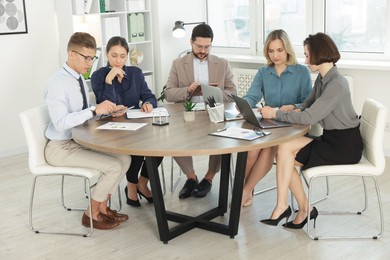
(129, 92)
(291, 88)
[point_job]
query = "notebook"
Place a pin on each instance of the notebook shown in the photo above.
(216, 92)
(251, 118)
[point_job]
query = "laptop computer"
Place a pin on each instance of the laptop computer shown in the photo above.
(251, 118)
(216, 93)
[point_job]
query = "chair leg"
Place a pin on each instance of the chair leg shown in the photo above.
(316, 201)
(163, 178)
(86, 181)
(266, 189)
(231, 172)
(62, 195)
(174, 186)
(349, 212)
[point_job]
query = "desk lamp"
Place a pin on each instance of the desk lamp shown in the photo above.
(179, 31)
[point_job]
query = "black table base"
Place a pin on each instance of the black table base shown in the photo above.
(203, 220)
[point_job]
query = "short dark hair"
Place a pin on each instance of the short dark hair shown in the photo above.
(202, 30)
(322, 49)
(117, 40)
(81, 39)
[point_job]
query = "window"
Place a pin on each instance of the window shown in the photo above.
(289, 15)
(356, 26)
(230, 22)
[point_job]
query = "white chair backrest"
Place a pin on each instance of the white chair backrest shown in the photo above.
(35, 122)
(372, 127)
(92, 98)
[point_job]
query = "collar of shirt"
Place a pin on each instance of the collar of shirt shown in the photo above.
(329, 75)
(289, 69)
(71, 71)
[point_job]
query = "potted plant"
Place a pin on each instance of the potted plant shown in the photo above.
(189, 114)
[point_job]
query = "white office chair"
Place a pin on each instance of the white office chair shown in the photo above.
(35, 122)
(372, 164)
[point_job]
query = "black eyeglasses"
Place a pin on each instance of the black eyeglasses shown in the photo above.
(88, 59)
(260, 132)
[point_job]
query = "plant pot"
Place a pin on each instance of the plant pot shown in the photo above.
(189, 115)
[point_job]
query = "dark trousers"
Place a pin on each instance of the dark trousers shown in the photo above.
(138, 162)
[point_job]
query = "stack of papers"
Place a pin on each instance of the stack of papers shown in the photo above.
(240, 133)
(137, 113)
(121, 126)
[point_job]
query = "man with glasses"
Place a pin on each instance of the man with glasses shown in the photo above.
(68, 107)
(187, 73)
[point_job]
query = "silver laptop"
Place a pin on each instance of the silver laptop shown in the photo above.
(250, 116)
(216, 93)
(210, 91)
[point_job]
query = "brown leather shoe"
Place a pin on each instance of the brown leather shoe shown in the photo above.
(102, 222)
(113, 214)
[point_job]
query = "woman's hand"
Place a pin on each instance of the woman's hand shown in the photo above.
(268, 112)
(147, 107)
(287, 108)
(115, 72)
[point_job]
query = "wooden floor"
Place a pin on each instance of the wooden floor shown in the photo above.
(138, 237)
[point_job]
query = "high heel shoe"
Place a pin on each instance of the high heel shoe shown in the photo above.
(313, 215)
(140, 194)
(274, 222)
(134, 203)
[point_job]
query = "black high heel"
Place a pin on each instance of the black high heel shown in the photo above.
(134, 203)
(313, 215)
(274, 222)
(140, 194)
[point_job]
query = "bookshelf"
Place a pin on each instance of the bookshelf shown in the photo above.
(131, 19)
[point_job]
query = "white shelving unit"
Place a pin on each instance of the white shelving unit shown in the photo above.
(103, 25)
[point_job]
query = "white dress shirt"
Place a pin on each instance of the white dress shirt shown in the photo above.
(64, 101)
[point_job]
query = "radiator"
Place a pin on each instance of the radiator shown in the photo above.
(243, 79)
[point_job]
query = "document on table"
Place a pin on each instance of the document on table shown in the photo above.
(121, 126)
(240, 133)
(137, 113)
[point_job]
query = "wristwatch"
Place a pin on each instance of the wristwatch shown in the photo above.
(93, 110)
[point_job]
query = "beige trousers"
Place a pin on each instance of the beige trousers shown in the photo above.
(112, 166)
(187, 165)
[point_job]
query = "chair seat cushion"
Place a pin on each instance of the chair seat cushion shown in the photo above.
(54, 170)
(364, 167)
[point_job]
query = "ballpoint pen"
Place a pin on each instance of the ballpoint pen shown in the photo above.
(221, 129)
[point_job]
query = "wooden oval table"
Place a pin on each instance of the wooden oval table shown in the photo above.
(181, 138)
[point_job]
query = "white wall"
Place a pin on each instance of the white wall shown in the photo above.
(27, 60)
(167, 47)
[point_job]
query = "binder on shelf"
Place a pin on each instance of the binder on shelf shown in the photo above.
(111, 27)
(141, 26)
(88, 5)
(135, 5)
(132, 26)
(102, 6)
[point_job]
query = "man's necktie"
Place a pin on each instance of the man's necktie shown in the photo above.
(85, 104)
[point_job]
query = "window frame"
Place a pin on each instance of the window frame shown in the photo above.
(315, 22)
